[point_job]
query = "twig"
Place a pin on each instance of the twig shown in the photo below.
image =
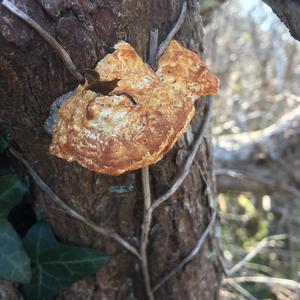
(221, 261)
(153, 47)
(145, 234)
(258, 268)
(47, 37)
(187, 166)
(146, 187)
(164, 45)
(291, 246)
(288, 283)
(282, 292)
(153, 44)
(289, 206)
(281, 211)
(279, 186)
(70, 211)
(262, 244)
(191, 255)
(210, 193)
(241, 290)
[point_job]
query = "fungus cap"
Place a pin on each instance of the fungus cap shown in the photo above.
(112, 135)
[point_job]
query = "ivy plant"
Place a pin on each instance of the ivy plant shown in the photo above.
(54, 265)
(14, 262)
(40, 263)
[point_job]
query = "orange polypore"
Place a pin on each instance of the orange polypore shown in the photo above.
(110, 134)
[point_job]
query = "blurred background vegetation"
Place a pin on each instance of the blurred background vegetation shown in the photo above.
(258, 63)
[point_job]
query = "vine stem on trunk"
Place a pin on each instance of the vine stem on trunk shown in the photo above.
(188, 163)
(176, 184)
(63, 54)
(198, 246)
(69, 210)
(164, 45)
(153, 44)
(145, 233)
(154, 53)
(147, 220)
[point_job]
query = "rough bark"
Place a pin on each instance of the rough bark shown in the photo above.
(32, 76)
(262, 161)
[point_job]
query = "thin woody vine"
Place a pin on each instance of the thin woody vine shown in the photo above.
(123, 116)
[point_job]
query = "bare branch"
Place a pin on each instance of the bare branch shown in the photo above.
(293, 253)
(241, 290)
(272, 281)
(70, 211)
(47, 37)
(164, 45)
(288, 12)
(267, 142)
(262, 244)
(265, 156)
(256, 181)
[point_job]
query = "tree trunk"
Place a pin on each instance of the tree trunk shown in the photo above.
(33, 76)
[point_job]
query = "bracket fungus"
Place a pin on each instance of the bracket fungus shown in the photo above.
(111, 134)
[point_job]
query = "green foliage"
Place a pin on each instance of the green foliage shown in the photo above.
(14, 262)
(246, 204)
(259, 290)
(245, 222)
(297, 210)
(54, 265)
(41, 264)
(249, 226)
(12, 190)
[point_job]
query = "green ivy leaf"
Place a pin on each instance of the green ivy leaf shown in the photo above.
(12, 190)
(54, 265)
(3, 145)
(14, 262)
